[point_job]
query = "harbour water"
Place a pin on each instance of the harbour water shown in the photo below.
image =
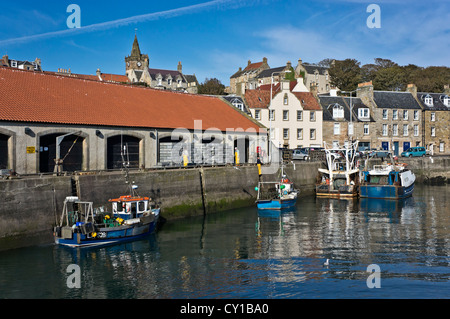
(252, 255)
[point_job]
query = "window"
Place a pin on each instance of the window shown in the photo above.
(240, 106)
(385, 130)
(312, 116)
(312, 134)
(433, 131)
(405, 130)
(299, 115)
(350, 128)
(285, 133)
(169, 81)
(285, 99)
(338, 111)
(416, 130)
(395, 129)
(441, 147)
(428, 100)
(285, 115)
(405, 115)
(416, 115)
(395, 114)
(337, 128)
(433, 117)
(299, 134)
(258, 114)
(385, 114)
(14, 64)
(366, 129)
(446, 101)
(363, 113)
(271, 115)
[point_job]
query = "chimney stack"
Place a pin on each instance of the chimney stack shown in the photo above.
(447, 89)
(412, 88)
(180, 67)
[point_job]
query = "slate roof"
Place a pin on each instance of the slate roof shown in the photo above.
(165, 74)
(251, 68)
(392, 100)
(311, 68)
(36, 97)
(438, 101)
(268, 73)
(327, 103)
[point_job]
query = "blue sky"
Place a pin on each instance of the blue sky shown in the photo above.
(215, 38)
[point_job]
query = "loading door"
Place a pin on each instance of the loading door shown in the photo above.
(123, 149)
(71, 151)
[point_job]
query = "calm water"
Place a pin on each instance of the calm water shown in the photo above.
(243, 254)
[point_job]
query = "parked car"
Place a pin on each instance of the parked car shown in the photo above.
(298, 154)
(414, 151)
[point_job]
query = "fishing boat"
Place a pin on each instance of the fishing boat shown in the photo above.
(341, 177)
(132, 218)
(277, 195)
(387, 181)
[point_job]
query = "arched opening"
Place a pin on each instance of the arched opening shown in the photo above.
(4, 151)
(126, 146)
(71, 152)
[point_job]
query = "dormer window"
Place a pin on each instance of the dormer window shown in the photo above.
(338, 111)
(446, 100)
(428, 100)
(14, 64)
(363, 113)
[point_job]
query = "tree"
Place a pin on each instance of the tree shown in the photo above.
(326, 62)
(211, 86)
(345, 74)
(390, 79)
(384, 63)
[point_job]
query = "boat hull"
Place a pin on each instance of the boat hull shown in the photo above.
(385, 191)
(108, 235)
(276, 204)
(349, 191)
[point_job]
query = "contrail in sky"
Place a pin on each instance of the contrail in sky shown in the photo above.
(220, 4)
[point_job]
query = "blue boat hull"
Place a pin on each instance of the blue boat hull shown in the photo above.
(276, 204)
(385, 191)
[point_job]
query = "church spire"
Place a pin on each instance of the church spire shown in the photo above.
(135, 51)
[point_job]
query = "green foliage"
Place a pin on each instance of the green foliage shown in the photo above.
(211, 86)
(388, 75)
(290, 75)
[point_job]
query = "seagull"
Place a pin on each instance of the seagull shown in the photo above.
(327, 262)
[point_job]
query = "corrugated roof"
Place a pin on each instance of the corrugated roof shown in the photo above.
(27, 96)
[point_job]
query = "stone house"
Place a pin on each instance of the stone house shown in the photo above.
(435, 119)
(294, 117)
(138, 71)
(314, 75)
(22, 65)
(245, 79)
(398, 118)
(344, 120)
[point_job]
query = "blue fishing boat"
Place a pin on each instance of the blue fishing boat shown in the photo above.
(389, 181)
(132, 218)
(276, 195)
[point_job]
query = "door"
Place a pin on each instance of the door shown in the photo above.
(396, 146)
(406, 145)
(385, 146)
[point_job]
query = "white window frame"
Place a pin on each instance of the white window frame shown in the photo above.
(385, 130)
(395, 129)
(405, 115)
(416, 130)
(312, 134)
(299, 115)
(416, 115)
(364, 113)
(433, 131)
(337, 129)
(405, 129)
(299, 134)
(428, 100)
(350, 128)
(271, 115)
(395, 114)
(312, 116)
(441, 147)
(285, 133)
(366, 129)
(338, 111)
(257, 114)
(385, 114)
(285, 115)
(433, 117)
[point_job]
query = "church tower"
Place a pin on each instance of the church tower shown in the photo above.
(136, 61)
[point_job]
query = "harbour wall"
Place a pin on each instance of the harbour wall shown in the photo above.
(30, 207)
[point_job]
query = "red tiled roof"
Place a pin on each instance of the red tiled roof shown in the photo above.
(114, 78)
(253, 66)
(259, 98)
(27, 96)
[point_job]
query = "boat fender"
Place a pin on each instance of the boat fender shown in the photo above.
(285, 192)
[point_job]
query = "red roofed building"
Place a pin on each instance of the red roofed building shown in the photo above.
(101, 118)
(296, 115)
(239, 80)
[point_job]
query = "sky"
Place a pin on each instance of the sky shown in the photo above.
(213, 38)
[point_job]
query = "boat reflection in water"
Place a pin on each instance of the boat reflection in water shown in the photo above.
(394, 208)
